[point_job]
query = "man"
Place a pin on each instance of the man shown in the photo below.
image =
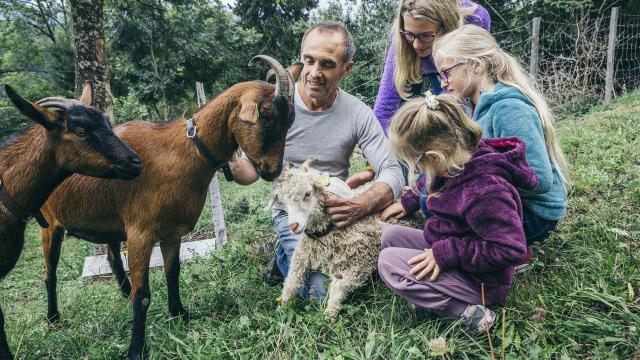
(329, 123)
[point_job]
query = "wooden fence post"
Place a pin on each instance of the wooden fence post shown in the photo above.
(535, 47)
(611, 55)
(217, 213)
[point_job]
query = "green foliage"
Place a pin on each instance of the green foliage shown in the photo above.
(370, 25)
(585, 277)
(280, 23)
(36, 57)
(159, 51)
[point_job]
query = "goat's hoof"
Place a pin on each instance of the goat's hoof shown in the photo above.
(186, 317)
(286, 296)
(184, 314)
(135, 354)
(331, 313)
(136, 357)
(53, 319)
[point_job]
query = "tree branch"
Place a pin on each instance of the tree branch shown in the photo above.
(45, 19)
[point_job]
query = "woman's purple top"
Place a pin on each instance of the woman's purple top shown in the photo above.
(388, 99)
(476, 226)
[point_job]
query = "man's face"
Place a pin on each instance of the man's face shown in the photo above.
(322, 54)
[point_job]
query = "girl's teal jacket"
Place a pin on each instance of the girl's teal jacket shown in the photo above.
(507, 112)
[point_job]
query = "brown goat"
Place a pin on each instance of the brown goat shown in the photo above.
(75, 139)
(164, 203)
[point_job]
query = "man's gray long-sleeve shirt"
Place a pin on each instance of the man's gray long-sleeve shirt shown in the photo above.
(330, 136)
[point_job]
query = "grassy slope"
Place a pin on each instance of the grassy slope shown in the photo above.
(586, 278)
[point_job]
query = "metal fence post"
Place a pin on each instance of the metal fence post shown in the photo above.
(535, 47)
(217, 213)
(611, 55)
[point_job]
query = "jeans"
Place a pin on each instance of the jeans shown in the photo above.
(536, 228)
(287, 242)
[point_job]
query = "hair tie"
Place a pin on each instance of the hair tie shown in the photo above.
(431, 101)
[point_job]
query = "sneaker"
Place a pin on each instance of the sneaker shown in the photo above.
(478, 318)
(272, 274)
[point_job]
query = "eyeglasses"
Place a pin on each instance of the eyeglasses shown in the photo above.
(416, 164)
(423, 37)
(444, 74)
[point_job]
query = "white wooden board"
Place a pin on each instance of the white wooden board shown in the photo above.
(99, 266)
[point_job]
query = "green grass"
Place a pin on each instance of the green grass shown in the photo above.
(585, 276)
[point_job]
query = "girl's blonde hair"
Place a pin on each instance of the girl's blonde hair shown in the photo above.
(438, 136)
(472, 43)
(448, 15)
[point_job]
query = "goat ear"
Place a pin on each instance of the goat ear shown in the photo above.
(37, 113)
(249, 110)
(295, 70)
(87, 96)
(307, 163)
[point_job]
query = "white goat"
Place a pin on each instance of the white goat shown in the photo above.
(348, 255)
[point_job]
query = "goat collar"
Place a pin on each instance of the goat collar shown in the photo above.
(17, 211)
(316, 235)
(211, 159)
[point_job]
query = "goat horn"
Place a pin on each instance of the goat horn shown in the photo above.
(271, 73)
(58, 102)
(282, 76)
(293, 70)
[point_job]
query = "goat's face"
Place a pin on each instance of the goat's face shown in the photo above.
(264, 115)
(302, 192)
(260, 127)
(81, 136)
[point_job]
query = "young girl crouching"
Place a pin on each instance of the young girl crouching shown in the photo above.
(475, 234)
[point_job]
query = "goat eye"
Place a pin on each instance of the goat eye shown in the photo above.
(80, 131)
(307, 194)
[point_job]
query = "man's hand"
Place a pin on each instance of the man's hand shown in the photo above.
(396, 211)
(426, 263)
(243, 172)
(345, 211)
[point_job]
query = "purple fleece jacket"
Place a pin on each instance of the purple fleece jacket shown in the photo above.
(410, 199)
(476, 225)
(388, 99)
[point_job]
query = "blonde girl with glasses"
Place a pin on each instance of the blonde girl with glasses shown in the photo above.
(475, 233)
(505, 103)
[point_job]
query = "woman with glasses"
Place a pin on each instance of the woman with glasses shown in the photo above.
(409, 69)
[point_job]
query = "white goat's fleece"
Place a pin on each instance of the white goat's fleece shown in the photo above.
(339, 188)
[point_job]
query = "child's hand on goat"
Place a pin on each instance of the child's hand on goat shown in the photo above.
(395, 210)
(426, 263)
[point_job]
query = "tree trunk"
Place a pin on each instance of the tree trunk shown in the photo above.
(91, 55)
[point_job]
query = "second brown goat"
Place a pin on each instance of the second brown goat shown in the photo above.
(164, 202)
